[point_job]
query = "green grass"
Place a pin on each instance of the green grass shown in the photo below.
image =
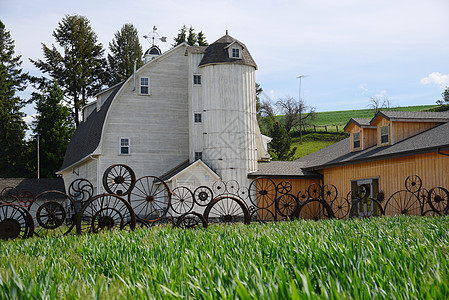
(315, 141)
(383, 258)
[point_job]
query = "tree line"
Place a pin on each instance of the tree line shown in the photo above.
(74, 69)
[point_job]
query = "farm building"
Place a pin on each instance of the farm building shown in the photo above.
(187, 115)
(381, 153)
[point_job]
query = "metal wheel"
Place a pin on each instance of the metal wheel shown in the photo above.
(105, 212)
(9, 195)
(438, 199)
(422, 196)
(25, 198)
(366, 208)
(15, 222)
(340, 207)
(182, 200)
(413, 183)
(330, 193)
(262, 215)
(191, 220)
(81, 190)
(53, 212)
(301, 196)
(262, 192)
(227, 209)
(150, 198)
(243, 192)
(119, 180)
(232, 187)
(362, 192)
(284, 187)
(314, 191)
(287, 205)
(219, 188)
(314, 209)
(202, 195)
(403, 202)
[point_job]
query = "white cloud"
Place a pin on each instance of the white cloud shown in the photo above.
(436, 78)
(381, 94)
(29, 118)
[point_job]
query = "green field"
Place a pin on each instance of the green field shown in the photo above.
(382, 258)
(315, 141)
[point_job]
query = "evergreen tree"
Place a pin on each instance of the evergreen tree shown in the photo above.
(80, 68)
(54, 128)
(201, 39)
(125, 50)
(12, 126)
(191, 38)
(181, 38)
(281, 142)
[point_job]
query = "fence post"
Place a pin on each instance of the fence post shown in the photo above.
(325, 128)
(314, 128)
(337, 127)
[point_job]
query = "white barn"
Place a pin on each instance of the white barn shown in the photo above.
(187, 116)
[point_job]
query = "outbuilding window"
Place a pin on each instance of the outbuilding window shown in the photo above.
(198, 118)
(196, 79)
(356, 140)
(124, 146)
(235, 53)
(144, 85)
(384, 134)
(198, 155)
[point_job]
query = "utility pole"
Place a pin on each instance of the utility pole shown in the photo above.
(300, 107)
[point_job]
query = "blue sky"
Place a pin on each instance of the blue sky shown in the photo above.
(351, 50)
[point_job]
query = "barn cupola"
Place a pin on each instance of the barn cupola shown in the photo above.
(152, 53)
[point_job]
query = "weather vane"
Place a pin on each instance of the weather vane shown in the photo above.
(153, 37)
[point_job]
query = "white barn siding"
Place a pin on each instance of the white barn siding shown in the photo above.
(195, 106)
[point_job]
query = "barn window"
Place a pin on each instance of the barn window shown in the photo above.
(145, 85)
(198, 155)
(356, 139)
(235, 53)
(196, 79)
(124, 146)
(367, 189)
(384, 134)
(198, 118)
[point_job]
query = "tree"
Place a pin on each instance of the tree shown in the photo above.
(12, 126)
(445, 100)
(125, 51)
(201, 39)
(80, 68)
(181, 38)
(54, 128)
(192, 39)
(294, 113)
(377, 104)
(280, 143)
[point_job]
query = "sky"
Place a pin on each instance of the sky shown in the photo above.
(347, 50)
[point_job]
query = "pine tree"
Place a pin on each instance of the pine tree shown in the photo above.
(191, 38)
(125, 50)
(12, 126)
(80, 68)
(54, 127)
(181, 38)
(201, 39)
(281, 142)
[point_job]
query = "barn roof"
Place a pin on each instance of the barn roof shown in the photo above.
(290, 169)
(408, 116)
(88, 134)
(217, 53)
(434, 139)
(33, 185)
(360, 122)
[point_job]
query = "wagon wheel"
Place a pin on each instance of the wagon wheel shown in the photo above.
(202, 195)
(262, 215)
(287, 205)
(191, 220)
(330, 193)
(314, 191)
(105, 212)
(232, 187)
(243, 192)
(119, 180)
(413, 183)
(366, 208)
(15, 222)
(182, 200)
(403, 202)
(53, 212)
(422, 196)
(340, 207)
(219, 188)
(438, 199)
(361, 192)
(227, 209)
(25, 198)
(262, 192)
(150, 198)
(81, 190)
(284, 187)
(314, 209)
(301, 196)
(9, 195)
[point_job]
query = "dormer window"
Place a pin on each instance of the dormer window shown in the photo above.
(384, 134)
(235, 53)
(144, 85)
(356, 140)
